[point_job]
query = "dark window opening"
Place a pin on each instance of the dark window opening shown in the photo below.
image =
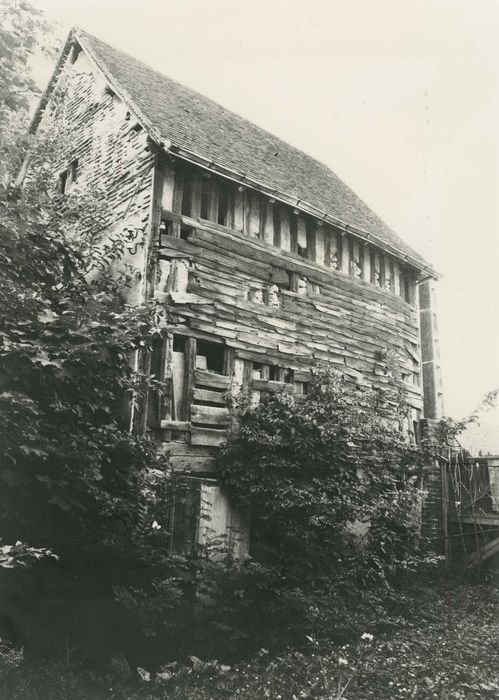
(311, 229)
(68, 177)
(258, 370)
(407, 288)
(137, 128)
(276, 215)
(302, 252)
(225, 205)
(273, 373)
(178, 343)
(205, 198)
(185, 232)
(210, 356)
(63, 179)
(187, 197)
(282, 278)
(73, 169)
(288, 376)
(293, 231)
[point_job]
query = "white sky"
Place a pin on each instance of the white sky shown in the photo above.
(400, 99)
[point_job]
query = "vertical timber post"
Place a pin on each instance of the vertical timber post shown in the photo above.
(435, 508)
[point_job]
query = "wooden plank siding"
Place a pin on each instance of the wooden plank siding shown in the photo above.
(343, 318)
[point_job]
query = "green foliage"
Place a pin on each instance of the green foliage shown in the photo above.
(440, 642)
(73, 476)
(19, 554)
(23, 33)
(333, 491)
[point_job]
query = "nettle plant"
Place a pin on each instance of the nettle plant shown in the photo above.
(333, 490)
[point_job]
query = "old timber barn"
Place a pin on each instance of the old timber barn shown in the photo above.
(263, 260)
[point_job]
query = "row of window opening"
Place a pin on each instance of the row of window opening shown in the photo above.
(211, 199)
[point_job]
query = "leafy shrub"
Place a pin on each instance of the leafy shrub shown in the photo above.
(332, 487)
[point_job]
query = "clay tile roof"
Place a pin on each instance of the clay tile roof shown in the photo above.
(195, 123)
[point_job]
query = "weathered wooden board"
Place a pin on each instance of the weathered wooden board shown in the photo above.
(192, 463)
(175, 425)
(206, 378)
(205, 395)
(208, 436)
(210, 415)
(270, 386)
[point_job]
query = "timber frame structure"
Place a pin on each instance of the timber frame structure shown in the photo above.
(263, 261)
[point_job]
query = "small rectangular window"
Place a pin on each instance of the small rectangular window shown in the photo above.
(205, 198)
(63, 179)
(273, 373)
(226, 205)
(68, 177)
(186, 207)
(210, 356)
(276, 214)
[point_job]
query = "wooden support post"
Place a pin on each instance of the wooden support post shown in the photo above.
(147, 287)
(396, 278)
(320, 256)
(255, 215)
(355, 263)
(239, 209)
(335, 252)
(311, 239)
(268, 223)
(410, 285)
(166, 403)
(345, 253)
(285, 228)
(302, 237)
(144, 401)
(178, 190)
(276, 216)
(382, 271)
(189, 376)
(376, 274)
(432, 389)
(328, 236)
(197, 187)
(214, 200)
(293, 233)
(366, 263)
